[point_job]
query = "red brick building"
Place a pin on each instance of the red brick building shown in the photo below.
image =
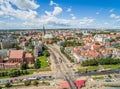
(18, 56)
(29, 58)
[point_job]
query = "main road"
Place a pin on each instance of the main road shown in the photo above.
(62, 66)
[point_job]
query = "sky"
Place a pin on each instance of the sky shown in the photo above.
(33, 14)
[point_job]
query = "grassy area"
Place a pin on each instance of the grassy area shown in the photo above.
(98, 77)
(112, 85)
(111, 66)
(44, 62)
(3, 77)
(90, 68)
(118, 47)
(31, 71)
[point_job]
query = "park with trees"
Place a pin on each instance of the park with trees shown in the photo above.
(13, 73)
(94, 65)
(104, 61)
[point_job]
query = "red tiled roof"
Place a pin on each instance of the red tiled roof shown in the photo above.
(76, 50)
(16, 54)
(96, 47)
(65, 84)
(79, 83)
(28, 55)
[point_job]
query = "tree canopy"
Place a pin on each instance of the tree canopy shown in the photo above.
(37, 64)
(104, 61)
(70, 43)
(23, 66)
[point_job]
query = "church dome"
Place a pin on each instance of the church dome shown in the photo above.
(48, 36)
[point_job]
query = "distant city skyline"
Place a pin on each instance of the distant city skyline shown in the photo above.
(32, 14)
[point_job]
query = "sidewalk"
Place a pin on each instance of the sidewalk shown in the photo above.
(37, 87)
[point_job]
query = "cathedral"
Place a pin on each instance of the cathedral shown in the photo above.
(47, 37)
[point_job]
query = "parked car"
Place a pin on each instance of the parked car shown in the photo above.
(33, 78)
(108, 80)
(103, 70)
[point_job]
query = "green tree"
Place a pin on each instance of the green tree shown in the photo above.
(80, 34)
(0, 46)
(97, 43)
(37, 64)
(31, 44)
(27, 82)
(23, 66)
(35, 83)
(72, 43)
(16, 46)
(104, 61)
(26, 72)
(62, 50)
(3, 74)
(23, 72)
(46, 53)
(109, 76)
(8, 85)
(0, 87)
(14, 73)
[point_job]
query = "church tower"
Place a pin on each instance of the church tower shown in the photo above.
(43, 33)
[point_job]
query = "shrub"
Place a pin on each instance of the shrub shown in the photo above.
(14, 73)
(27, 82)
(37, 64)
(35, 83)
(8, 85)
(23, 66)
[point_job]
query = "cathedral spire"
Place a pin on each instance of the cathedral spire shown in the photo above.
(44, 30)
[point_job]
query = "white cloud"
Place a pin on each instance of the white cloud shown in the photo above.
(97, 13)
(111, 10)
(73, 16)
(1, 13)
(86, 21)
(117, 27)
(114, 16)
(26, 4)
(69, 9)
(53, 3)
(48, 13)
(1, 1)
(12, 18)
(8, 10)
(57, 10)
(106, 23)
